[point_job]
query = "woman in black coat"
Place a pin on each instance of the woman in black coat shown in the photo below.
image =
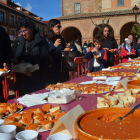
(56, 46)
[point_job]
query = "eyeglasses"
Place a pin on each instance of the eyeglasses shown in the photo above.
(58, 26)
(129, 44)
(24, 31)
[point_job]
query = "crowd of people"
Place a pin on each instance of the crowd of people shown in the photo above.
(47, 52)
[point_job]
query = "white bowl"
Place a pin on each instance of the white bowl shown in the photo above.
(59, 136)
(27, 135)
(1, 122)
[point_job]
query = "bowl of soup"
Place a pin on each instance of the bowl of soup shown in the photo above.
(98, 124)
(135, 84)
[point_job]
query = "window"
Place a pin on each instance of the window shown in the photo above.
(77, 8)
(11, 20)
(1, 16)
(13, 32)
(18, 18)
(120, 3)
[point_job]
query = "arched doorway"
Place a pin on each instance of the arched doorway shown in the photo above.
(96, 30)
(125, 31)
(71, 34)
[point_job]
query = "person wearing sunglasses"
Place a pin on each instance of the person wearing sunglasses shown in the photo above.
(31, 48)
(56, 46)
(128, 51)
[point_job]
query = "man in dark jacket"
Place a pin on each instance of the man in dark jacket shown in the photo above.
(5, 56)
(34, 50)
(109, 43)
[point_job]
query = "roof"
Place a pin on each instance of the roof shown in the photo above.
(21, 12)
(89, 15)
(46, 21)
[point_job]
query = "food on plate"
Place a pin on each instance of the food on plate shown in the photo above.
(12, 109)
(59, 115)
(55, 108)
(33, 119)
(46, 125)
(9, 120)
(124, 99)
(49, 116)
(38, 115)
(32, 127)
(38, 120)
(26, 121)
(20, 107)
(3, 70)
(46, 108)
(17, 116)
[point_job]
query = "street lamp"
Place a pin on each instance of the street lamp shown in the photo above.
(135, 10)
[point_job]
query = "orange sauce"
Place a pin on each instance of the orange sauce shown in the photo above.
(102, 125)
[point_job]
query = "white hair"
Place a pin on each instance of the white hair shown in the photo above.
(127, 41)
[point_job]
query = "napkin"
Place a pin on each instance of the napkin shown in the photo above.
(113, 83)
(100, 78)
(87, 82)
(113, 78)
(33, 99)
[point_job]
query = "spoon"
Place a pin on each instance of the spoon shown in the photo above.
(131, 111)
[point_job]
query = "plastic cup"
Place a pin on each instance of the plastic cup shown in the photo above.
(8, 129)
(1, 122)
(7, 132)
(27, 135)
(59, 136)
(4, 136)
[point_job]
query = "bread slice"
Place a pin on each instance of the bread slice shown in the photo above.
(138, 75)
(120, 94)
(128, 92)
(116, 96)
(123, 99)
(131, 99)
(112, 100)
(102, 104)
(120, 104)
(135, 91)
(135, 78)
(100, 99)
(126, 103)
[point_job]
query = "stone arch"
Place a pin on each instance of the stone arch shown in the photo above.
(71, 34)
(71, 24)
(125, 31)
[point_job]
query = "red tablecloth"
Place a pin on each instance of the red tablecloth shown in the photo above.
(88, 102)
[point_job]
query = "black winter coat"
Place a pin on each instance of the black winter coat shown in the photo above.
(37, 53)
(75, 52)
(111, 44)
(5, 48)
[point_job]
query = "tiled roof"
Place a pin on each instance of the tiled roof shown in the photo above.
(89, 15)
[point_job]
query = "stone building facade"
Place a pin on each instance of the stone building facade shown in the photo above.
(76, 22)
(10, 13)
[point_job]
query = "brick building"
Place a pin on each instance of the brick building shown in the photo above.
(77, 14)
(10, 13)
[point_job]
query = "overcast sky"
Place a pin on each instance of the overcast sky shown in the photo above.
(46, 9)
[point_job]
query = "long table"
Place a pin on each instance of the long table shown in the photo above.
(88, 102)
